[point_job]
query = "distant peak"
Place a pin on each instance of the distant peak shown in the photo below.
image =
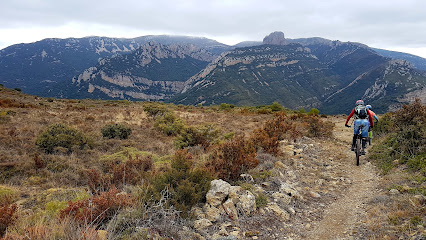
(275, 38)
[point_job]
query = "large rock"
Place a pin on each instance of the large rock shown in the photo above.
(202, 223)
(230, 209)
(212, 213)
(219, 190)
(289, 190)
(246, 203)
(275, 38)
(278, 211)
(282, 198)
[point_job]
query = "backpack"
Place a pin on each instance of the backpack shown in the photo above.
(361, 112)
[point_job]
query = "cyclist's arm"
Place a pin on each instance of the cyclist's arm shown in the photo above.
(375, 117)
(349, 117)
(370, 118)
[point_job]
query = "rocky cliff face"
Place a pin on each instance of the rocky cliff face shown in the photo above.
(260, 75)
(275, 38)
(46, 67)
(152, 72)
(329, 75)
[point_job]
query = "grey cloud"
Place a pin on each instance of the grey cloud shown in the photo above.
(390, 22)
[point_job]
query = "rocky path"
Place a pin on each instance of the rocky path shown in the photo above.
(315, 191)
(343, 217)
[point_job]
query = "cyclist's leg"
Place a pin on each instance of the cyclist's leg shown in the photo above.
(357, 123)
(364, 132)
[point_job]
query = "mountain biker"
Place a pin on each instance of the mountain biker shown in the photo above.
(364, 118)
(370, 130)
(372, 113)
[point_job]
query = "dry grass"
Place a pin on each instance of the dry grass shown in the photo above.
(32, 171)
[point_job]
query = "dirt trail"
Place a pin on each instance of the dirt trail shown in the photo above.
(341, 218)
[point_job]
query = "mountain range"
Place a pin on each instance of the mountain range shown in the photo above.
(311, 72)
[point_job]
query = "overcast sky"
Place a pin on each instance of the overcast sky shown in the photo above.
(388, 24)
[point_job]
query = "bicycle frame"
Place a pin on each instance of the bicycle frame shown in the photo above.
(358, 143)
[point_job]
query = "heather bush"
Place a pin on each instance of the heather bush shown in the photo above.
(279, 128)
(187, 185)
(132, 171)
(403, 138)
(169, 124)
(97, 209)
(97, 181)
(116, 131)
(7, 216)
(226, 106)
(192, 136)
(59, 135)
(313, 111)
(317, 127)
(155, 109)
(8, 195)
(261, 200)
(148, 218)
(233, 158)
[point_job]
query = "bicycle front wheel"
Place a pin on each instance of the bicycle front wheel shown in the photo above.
(357, 150)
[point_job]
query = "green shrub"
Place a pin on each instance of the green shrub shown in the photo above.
(61, 136)
(193, 136)
(261, 200)
(187, 185)
(54, 207)
(116, 131)
(169, 124)
(155, 109)
(225, 106)
(276, 107)
(8, 195)
(402, 138)
(313, 111)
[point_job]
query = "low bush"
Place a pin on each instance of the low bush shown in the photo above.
(7, 216)
(59, 135)
(314, 111)
(261, 200)
(317, 127)
(403, 138)
(269, 136)
(97, 209)
(225, 106)
(169, 124)
(132, 171)
(116, 131)
(155, 109)
(192, 136)
(233, 158)
(187, 185)
(8, 195)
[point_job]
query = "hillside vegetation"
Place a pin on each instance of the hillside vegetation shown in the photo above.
(86, 169)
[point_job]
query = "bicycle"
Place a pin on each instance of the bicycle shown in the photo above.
(358, 143)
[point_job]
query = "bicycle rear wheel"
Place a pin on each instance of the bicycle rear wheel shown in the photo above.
(357, 150)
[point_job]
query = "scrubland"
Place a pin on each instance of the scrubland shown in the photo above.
(96, 169)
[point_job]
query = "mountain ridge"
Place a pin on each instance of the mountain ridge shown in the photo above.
(101, 67)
